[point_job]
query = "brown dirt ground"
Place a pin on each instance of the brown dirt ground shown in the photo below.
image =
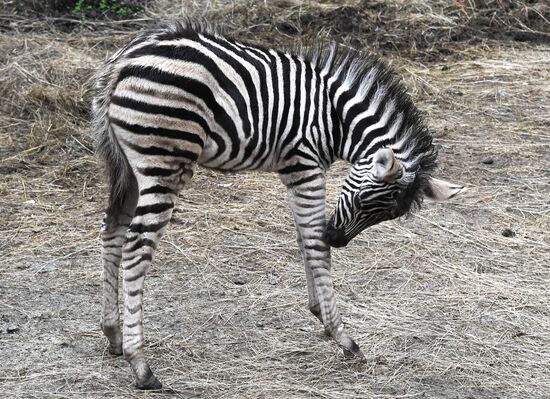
(442, 303)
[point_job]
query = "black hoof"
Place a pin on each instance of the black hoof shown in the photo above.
(149, 383)
(354, 352)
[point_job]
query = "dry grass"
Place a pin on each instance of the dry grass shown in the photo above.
(443, 304)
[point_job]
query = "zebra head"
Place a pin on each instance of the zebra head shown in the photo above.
(380, 188)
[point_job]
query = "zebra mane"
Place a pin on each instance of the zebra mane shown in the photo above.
(358, 71)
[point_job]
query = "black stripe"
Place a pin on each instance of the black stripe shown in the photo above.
(285, 112)
(245, 74)
(299, 167)
(318, 221)
(272, 139)
(305, 180)
(136, 308)
(145, 242)
(309, 196)
(381, 131)
(134, 324)
(117, 256)
(315, 237)
(337, 134)
(269, 137)
(112, 246)
(160, 151)
(321, 144)
(155, 208)
(344, 98)
(303, 205)
(157, 172)
(157, 189)
(178, 113)
(135, 292)
(319, 248)
(142, 258)
(260, 52)
(358, 140)
(257, 141)
(318, 258)
(111, 238)
(331, 132)
(296, 151)
(157, 131)
(146, 228)
(308, 214)
(321, 225)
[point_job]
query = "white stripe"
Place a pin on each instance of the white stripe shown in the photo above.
(388, 111)
(371, 110)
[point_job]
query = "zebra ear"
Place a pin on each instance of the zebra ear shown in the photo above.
(441, 190)
(385, 164)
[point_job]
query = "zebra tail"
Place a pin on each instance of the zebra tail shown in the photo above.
(121, 177)
(118, 170)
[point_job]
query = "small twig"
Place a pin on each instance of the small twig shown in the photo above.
(83, 146)
(452, 232)
(28, 151)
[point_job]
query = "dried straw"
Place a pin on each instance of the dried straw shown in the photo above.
(443, 304)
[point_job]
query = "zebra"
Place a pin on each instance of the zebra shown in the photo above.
(182, 94)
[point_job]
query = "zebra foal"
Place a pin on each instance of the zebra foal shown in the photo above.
(181, 95)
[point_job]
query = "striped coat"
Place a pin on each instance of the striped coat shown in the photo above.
(182, 95)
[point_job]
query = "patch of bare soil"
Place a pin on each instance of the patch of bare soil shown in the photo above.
(449, 303)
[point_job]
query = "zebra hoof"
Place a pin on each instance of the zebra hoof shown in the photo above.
(354, 355)
(353, 352)
(150, 384)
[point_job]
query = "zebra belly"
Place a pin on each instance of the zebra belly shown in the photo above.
(236, 156)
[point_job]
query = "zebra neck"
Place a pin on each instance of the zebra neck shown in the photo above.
(368, 120)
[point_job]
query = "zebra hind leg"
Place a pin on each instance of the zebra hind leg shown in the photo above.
(113, 231)
(155, 204)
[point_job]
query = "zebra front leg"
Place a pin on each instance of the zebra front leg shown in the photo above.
(307, 201)
(153, 212)
(313, 300)
(113, 230)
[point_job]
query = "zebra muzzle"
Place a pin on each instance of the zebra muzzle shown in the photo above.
(335, 237)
